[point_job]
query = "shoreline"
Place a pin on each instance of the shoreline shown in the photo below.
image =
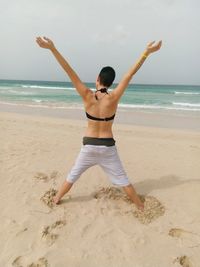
(167, 119)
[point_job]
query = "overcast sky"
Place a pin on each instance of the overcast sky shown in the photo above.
(96, 33)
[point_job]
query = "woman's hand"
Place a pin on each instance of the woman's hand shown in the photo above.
(45, 43)
(152, 47)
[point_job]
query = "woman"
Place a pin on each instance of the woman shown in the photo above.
(100, 106)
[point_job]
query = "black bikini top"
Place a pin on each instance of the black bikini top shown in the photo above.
(102, 90)
(99, 119)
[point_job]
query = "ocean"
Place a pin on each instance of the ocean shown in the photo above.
(62, 95)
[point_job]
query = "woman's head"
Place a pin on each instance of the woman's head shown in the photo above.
(106, 76)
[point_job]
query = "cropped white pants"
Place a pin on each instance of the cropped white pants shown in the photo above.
(106, 157)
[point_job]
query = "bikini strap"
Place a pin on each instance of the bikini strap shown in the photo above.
(102, 90)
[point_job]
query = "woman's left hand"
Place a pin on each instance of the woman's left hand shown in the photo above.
(152, 47)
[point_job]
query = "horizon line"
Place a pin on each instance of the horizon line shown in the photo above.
(171, 84)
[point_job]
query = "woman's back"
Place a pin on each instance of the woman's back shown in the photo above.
(103, 106)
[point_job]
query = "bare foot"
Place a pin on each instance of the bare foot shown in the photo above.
(140, 206)
(139, 203)
(56, 200)
(130, 191)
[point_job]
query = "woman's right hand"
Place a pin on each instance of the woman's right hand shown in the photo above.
(45, 43)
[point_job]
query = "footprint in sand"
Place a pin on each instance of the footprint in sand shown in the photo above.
(45, 177)
(184, 261)
(185, 235)
(152, 207)
(47, 234)
(47, 198)
(17, 262)
(42, 262)
(177, 232)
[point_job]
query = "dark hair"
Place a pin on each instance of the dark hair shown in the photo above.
(107, 76)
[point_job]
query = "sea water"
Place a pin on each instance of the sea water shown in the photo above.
(63, 95)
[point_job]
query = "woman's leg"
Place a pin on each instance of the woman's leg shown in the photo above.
(85, 160)
(130, 191)
(111, 164)
(66, 186)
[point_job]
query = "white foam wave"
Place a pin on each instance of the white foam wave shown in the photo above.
(186, 104)
(128, 106)
(186, 93)
(158, 107)
(37, 100)
(48, 87)
(55, 87)
(21, 92)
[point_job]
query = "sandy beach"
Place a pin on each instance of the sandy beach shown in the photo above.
(95, 225)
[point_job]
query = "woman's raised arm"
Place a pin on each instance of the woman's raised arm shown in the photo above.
(78, 84)
(119, 90)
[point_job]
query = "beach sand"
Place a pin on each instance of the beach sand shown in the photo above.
(95, 224)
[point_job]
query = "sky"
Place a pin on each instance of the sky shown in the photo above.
(91, 34)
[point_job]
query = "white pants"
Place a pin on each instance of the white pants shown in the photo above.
(104, 156)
